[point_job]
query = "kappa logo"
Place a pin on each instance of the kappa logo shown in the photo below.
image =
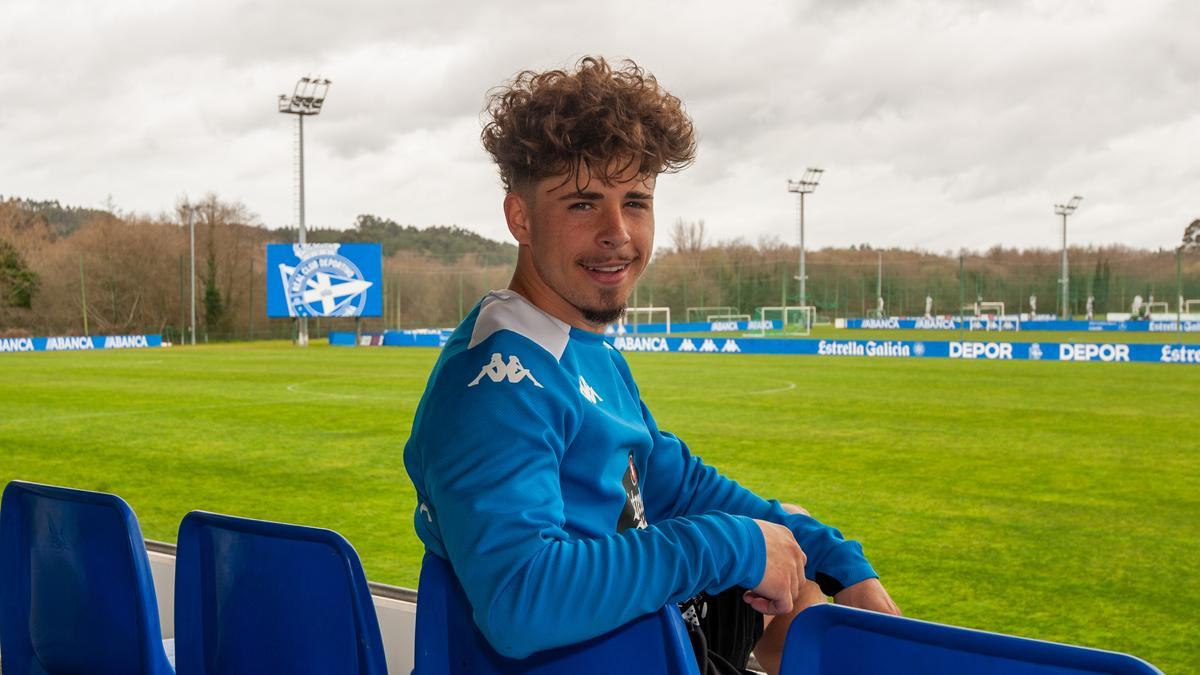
(497, 371)
(687, 345)
(56, 538)
(587, 391)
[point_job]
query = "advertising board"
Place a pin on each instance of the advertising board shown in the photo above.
(324, 280)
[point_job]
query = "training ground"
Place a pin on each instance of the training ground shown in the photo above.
(1051, 500)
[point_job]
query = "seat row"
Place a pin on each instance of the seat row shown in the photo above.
(251, 596)
(76, 593)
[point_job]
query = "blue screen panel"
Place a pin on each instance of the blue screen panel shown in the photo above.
(325, 280)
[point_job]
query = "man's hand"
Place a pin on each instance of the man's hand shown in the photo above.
(784, 576)
(868, 594)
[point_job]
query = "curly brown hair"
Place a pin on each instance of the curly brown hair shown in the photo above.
(599, 118)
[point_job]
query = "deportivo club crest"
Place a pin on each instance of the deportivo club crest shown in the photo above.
(323, 283)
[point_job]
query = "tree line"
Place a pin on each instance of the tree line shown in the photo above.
(847, 282)
(67, 271)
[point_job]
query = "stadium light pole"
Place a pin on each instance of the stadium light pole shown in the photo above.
(191, 218)
(306, 99)
(879, 282)
(1065, 210)
(806, 185)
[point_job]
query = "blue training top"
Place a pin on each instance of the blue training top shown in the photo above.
(563, 509)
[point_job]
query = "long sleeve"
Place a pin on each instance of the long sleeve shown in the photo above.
(684, 484)
(485, 455)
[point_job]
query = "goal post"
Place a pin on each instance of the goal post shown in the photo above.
(1189, 304)
(796, 320)
(990, 311)
(996, 308)
(1157, 307)
(720, 309)
(983, 308)
(624, 325)
(728, 317)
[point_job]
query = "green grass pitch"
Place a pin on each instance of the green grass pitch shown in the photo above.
(1054, 500)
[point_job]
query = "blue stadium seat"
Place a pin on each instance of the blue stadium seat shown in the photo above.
(76, 595)
(258, 597)
(829, 640)
(449, 643)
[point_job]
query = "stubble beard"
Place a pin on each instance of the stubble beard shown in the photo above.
(610, 306)
(613, 308)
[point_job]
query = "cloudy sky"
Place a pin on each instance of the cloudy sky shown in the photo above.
(939, 125)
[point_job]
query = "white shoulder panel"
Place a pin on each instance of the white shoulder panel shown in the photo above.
(506, 310)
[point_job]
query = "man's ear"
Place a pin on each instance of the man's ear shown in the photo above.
(516, 214)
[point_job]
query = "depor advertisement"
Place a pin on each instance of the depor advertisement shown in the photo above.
(324, 280)
(969, 350)
(972, 350)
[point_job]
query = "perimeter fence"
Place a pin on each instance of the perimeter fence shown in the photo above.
(850, 284)
(88, 293)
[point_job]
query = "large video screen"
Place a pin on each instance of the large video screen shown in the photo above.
(324, 280)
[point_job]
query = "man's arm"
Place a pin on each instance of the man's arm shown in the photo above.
(679, 483)
(488, 458)
(867, 594)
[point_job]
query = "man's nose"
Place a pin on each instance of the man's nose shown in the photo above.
(614, 230)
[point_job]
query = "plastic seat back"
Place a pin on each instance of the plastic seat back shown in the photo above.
(829, 639)
(76, 595)
(449, 643)
(252, 596)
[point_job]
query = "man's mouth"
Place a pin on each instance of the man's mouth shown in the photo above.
(607, 268)
(607, 271)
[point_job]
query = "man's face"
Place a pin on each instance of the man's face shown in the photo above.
(587, 243)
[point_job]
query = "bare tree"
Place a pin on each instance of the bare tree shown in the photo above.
(688, 236)
(1191, 237)
(227, 241)
(126, 266)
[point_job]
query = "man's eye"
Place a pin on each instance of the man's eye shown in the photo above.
(580, 206)
(638, 205)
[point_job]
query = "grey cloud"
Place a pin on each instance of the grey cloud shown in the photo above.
(939, 108)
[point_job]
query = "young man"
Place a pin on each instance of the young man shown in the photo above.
(541, 475)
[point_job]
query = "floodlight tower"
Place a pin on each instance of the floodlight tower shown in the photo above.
(191, 220)
(306, 99)
(1065, 210)
(806, 185)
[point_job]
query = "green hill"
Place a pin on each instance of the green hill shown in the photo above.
(59, 219)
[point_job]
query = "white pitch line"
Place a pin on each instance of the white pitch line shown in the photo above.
(726, 394)
(790, 386)
(292, 388)
(301, 389)
(127, 413)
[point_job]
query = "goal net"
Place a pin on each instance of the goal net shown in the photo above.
(796, 320)
(634, 317)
